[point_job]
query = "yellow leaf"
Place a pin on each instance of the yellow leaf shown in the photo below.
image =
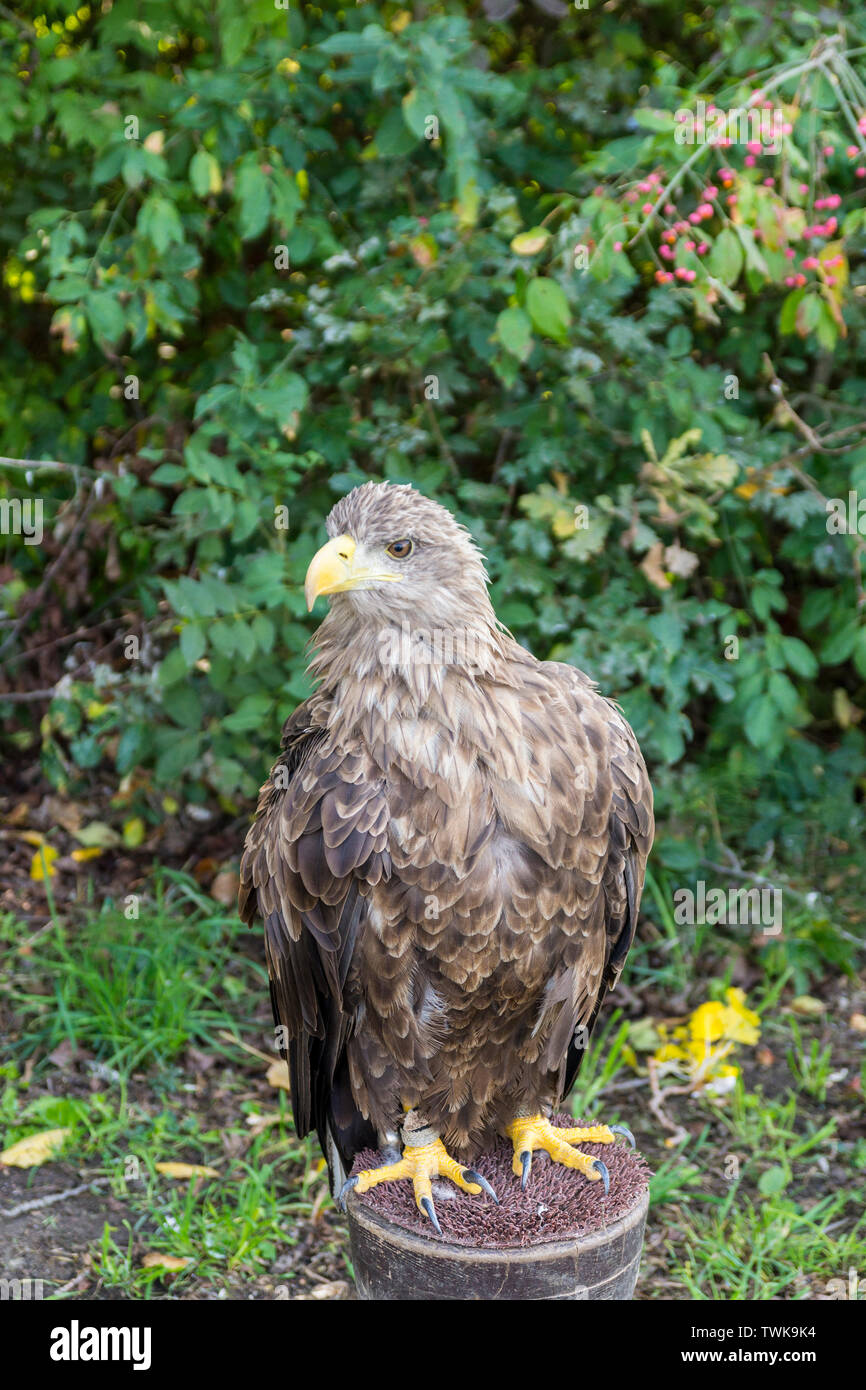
(741, 1024)
(531, 242)
(400, 20)
(845, 711)
(134, 831)
(82, 855)
(278, 1075)
(468, 205)
(42, 863)
(97, 833)
(36, 1149)
(706, 1023)
(808, 1006)
(651, 564)
(424, 250)
(186, 1170)
(157, 1259)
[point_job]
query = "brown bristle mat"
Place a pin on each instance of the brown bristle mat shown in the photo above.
(558, 1202)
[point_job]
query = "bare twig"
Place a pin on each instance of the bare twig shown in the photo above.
(51, 465)
(51, 1197)
(52, 569)
(820, 444)
(21, 697)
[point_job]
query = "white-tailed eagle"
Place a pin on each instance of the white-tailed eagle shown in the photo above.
(448, 859)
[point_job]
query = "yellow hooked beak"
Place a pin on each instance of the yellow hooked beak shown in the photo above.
(335, 568)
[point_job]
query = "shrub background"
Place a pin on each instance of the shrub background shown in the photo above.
(198, 383)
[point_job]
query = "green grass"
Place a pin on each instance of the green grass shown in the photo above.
(135, 990)
(764, 1199)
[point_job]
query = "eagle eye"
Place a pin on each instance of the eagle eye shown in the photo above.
(400, 550)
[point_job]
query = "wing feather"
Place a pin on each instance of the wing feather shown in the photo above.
(614, 838)
(318, 840)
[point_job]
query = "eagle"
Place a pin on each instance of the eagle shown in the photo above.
(447, 859)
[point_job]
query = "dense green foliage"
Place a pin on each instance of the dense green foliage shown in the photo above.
(239, 276)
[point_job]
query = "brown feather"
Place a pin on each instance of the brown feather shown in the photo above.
(449, 854)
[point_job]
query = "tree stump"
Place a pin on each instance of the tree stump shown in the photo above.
(561, 1238)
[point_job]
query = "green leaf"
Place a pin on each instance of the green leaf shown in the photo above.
(840, 644)
(762, 721)
(179, 751)
(204, 174)
(650, 119)
(251, 713)
(173, 668)
(531, 242)
(371, 38)
(106, 316)
(253, 193)
(548, 308)
(788, 311)
(807, 315)
(183, 706)
(264, 632)
(130, 748)
(192, 643)
(725, 260)
(799, 658)
(514, 331)
(773, 1181)
(159, 221)
(826, 329)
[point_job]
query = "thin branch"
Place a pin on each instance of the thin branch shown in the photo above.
(20, 697)
(51, 1197)
(52, 465)
(39, 593)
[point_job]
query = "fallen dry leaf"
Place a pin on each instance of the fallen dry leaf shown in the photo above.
(35, 1149)
(224, 888)
(808, 1005)
(335, 1288)
(680, 562)
(186, 1170)
(68, 814)
(651, 565)
(81, 856)
(858, 1023)
(278, 1075)
(157, 1259)
(97, 833)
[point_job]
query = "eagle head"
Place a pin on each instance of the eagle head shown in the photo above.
(396, 555)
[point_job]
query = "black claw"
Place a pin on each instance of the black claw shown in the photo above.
(526, 1160)
(344, 1191)
(605, 1175)
(471, 1175)
(427, 1204)
(621, 1129)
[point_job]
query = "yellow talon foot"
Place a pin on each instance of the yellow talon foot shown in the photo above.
(422, 1165)
(531, 1132)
